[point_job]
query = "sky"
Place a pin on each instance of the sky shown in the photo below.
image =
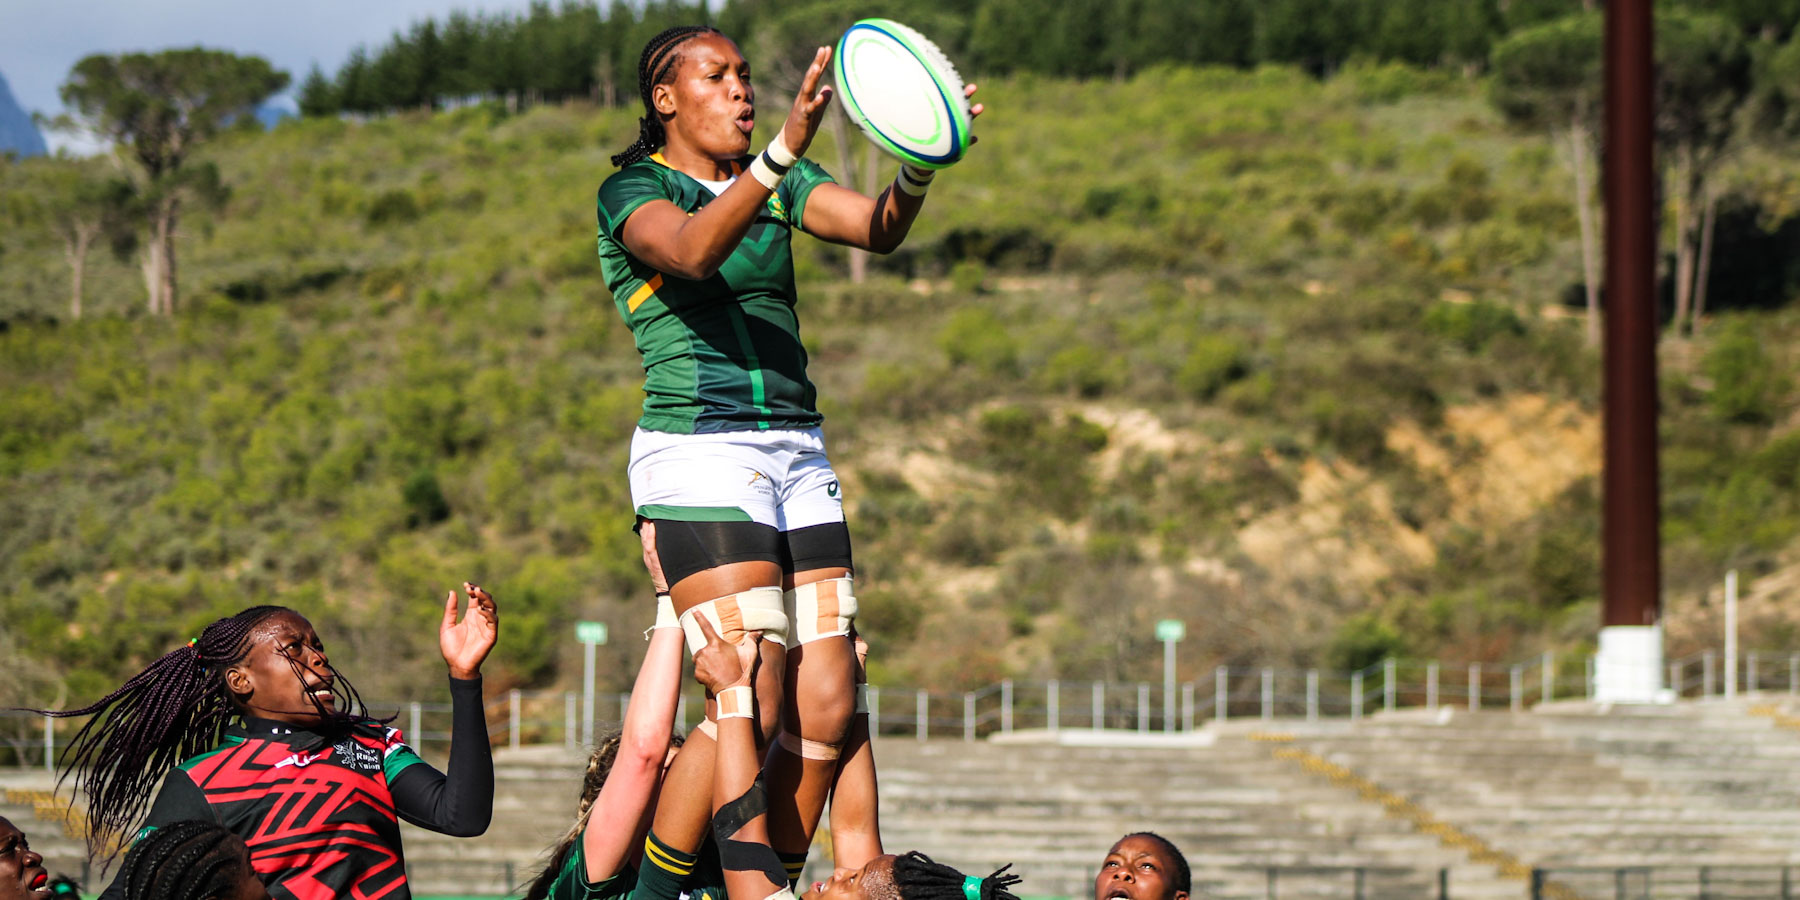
(40, 40)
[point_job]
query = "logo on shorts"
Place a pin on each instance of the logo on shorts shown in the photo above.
(831, 490)
(755, 477)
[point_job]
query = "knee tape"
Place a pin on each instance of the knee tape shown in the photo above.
(819, 610)
(806, 749)
(757, 609)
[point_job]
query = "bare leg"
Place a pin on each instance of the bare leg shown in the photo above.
(819, 706)
(685, 806)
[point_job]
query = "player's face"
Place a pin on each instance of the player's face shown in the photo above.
(1137, 868)
(285, 675)
(22, 875)
(711, 98)
(874, 881)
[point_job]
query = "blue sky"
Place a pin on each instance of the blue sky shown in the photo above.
(41, 39)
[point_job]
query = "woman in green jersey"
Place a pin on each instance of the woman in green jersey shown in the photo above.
(740, 512)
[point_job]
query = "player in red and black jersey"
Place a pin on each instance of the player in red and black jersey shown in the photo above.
(255, 730)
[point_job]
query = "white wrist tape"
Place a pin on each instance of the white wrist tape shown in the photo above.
(912, 181)
(757, 609)
(737, 703)
(774, 162)
(665, 615)
(819, 610)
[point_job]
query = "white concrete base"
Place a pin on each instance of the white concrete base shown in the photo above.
(1629, 666)
(1087, 737)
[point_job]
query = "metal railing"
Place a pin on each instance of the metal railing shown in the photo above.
(519, 718)
(1666, 882)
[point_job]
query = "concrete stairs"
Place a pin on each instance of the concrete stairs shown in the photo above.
(1485, 796)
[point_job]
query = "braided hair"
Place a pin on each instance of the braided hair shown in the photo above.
(189, 860)
(917, 877)
(1183, 880)
(600, 764)
(657, 65)
(176, 708)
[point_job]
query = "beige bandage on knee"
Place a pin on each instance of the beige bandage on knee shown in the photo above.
(757, 609)
(820, 610)
(806, 749)
(707, 728)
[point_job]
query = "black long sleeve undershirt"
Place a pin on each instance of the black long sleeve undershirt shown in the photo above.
(460, 803)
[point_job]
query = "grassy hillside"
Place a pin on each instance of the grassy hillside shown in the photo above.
(1289, 360)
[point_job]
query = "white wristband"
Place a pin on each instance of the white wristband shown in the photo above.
(737, 703)
(779, 153)
(912, 181)
(665, 615)
(774, 162)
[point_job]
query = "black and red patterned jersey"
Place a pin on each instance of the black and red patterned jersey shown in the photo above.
(320, 810)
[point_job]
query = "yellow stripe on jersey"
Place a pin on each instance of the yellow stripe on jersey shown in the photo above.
(643, 293)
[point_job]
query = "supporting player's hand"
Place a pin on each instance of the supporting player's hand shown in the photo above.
(809, 106)
(466, 643)
(720, 665)
(975, 110)
(862, 655)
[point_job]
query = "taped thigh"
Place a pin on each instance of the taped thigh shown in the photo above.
(820, 610)
(757, 609)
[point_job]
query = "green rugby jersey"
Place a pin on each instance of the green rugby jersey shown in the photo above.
(722, 353)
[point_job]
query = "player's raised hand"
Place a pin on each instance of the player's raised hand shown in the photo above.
(809, 106)
(467, 642)
(719, 665)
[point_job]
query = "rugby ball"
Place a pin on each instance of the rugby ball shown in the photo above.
(901, 90)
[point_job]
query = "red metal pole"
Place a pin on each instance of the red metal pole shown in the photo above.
(1632, 569)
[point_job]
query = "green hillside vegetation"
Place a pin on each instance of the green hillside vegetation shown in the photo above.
(1298, 362)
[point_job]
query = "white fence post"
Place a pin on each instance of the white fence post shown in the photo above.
(1474, 686)
(49, 746)
(1750, 678)
(1431, 687)
(1143, 705)
(1706, 674)
(874, 711)
(1518, 682)
(512, 717)
(1187, 706)
(418, 735)
(1312, 695)
(1547, 691)
(920, 712)
(1221, 692)
(969, 717)
(569, 719)
(1589, 677)
(1268, 693)
(1356, 696)
(1006, 707)
(1055, 713)
(1389, 671)
(1099, 691)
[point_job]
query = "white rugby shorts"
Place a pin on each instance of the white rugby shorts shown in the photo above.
(777, 477)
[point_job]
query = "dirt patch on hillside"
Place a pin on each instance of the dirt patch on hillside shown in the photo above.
(1343, 529)
(1504, 460)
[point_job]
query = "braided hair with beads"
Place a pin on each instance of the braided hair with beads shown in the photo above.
(190, 860)
(175, 709)
(917, 877)
(657, 65)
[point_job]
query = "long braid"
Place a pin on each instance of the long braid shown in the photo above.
(175, 709)
(917, 877)
(189, 860)
(600, 764)
(656, 65)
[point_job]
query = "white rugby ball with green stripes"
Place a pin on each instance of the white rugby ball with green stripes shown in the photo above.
(901, 90)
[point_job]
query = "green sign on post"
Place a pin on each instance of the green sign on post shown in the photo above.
(1171, 630)
(590, 632)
